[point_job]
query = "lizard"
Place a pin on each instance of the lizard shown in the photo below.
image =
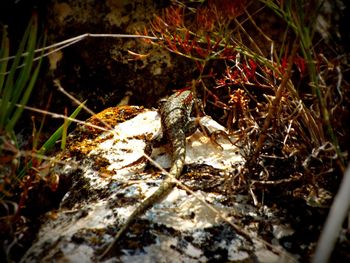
(177, 124)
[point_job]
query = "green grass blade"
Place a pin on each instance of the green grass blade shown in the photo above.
(8, 88)
(24, 73)
(4, 53)
(25, 97)
(49, 144)
(18, 112)
(64, 134)
(20, 88)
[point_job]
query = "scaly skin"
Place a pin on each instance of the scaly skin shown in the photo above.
(176, 125)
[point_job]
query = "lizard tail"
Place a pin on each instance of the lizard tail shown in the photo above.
(179, 154)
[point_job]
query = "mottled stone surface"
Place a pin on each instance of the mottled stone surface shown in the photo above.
(111, 177)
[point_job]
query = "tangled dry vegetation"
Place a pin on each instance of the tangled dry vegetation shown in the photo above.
(280, 92)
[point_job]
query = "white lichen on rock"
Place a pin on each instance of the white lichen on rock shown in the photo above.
(87, 219)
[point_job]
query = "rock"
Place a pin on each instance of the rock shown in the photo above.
(111, 176)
